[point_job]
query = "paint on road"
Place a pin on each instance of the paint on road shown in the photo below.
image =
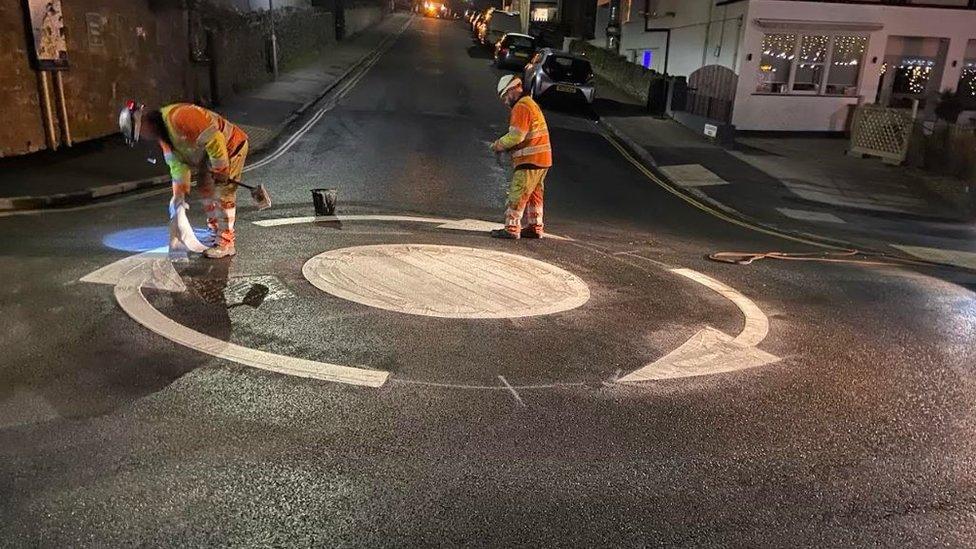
(446, 281)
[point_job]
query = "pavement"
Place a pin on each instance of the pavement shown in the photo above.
(107, 167)
(803, 185)
(392, 376)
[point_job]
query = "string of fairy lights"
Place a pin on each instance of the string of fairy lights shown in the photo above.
(848, 50)
(967, 83)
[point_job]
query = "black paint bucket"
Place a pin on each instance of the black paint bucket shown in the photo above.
(325, 201)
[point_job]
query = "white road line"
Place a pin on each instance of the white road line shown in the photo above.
(128, 293)
(757, 324)
(807, 215)
(711, 351)
(327, 218)
(512, 390)
(473, 225)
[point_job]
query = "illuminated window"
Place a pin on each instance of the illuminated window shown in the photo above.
(912, 75)
(967, 80)
(821, 64)
(776, 65)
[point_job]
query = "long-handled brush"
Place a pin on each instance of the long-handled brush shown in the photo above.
(258, 193)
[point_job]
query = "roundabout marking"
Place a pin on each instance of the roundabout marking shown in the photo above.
(446, 281)
(710, 351)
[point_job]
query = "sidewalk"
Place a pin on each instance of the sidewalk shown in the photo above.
(105, 167)
(799, 184)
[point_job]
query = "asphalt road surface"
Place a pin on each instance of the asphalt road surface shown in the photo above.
(397, 378)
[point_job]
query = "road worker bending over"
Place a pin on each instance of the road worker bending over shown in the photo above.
(528, 142)
(191, 136)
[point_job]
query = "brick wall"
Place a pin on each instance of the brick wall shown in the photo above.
(117, 49)
(143, 49)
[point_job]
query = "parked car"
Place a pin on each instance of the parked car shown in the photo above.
(552, 73)
(499, 24)
(514, 50)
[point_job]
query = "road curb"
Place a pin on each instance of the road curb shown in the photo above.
(647, 160)
(91, 194)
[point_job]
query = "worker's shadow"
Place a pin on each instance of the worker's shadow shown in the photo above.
(204, 305)
(211, 293)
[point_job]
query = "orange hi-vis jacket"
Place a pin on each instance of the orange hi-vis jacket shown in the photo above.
(528, 136)
(198, 133)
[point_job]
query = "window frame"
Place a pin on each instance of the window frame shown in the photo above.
(827, 63)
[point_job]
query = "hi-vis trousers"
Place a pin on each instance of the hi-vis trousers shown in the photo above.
(525, 196)
(220, 201)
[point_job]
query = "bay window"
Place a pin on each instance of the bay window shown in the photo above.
(811, 64)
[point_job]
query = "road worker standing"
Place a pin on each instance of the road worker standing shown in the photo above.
(194, 137)
(528, 142)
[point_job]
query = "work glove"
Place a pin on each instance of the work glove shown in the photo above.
(175, 203)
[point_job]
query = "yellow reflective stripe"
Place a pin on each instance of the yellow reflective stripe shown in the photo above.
(206, 135)
(537, 133)
(532, 150)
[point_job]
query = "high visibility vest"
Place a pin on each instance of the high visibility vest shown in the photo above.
(197, 133)
(528, 121)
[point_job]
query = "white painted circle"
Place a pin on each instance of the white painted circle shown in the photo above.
(446, 281)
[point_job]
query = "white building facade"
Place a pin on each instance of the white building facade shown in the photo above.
(799, 65)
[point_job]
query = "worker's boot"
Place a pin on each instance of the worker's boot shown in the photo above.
(219, 252)
(502, 233)
(530, 232)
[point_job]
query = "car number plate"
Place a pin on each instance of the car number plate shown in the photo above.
(566, 89)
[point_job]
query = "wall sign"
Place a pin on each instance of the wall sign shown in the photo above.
(47, 30)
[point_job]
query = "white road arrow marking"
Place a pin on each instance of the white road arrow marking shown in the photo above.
(154, 270)
(711, 351)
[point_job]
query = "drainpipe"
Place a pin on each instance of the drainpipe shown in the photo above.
(738, 43)
(708, 31)
(62, 109)
(52, 140)
(274, 41)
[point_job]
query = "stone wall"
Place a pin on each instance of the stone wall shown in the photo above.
(629, 77)
(241, 46)
(361, 17)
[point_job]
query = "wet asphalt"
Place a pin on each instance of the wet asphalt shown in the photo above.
(860, 435)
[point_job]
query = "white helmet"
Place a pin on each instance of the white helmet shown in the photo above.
(130, 120)
(507, 82)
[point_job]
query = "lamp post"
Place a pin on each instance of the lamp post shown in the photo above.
(274, 41)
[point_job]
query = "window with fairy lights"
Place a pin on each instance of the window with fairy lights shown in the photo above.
(811, 64)
(967, 80)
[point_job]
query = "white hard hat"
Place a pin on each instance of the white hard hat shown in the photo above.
(507, 82)
(130, 120)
